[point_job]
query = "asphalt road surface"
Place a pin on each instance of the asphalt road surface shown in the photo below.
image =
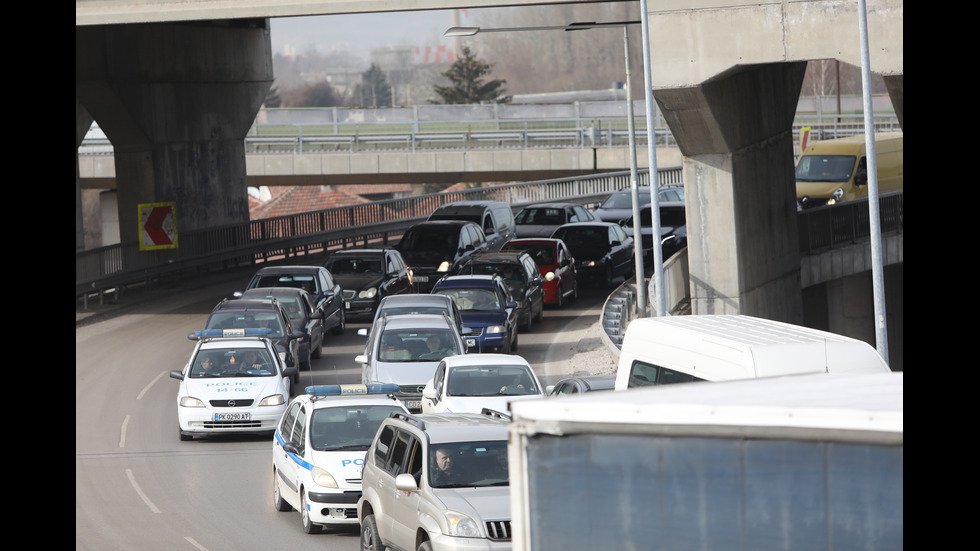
(137, 486)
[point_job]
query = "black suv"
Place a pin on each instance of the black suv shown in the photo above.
(254, 313)
(436, 248)
(367, 276)
(521, 275)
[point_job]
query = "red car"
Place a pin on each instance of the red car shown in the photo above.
(556, 265)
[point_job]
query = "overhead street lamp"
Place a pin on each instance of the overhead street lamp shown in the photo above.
(651, 145)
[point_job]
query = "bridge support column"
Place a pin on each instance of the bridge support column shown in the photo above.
(176, 100)
(735, 132)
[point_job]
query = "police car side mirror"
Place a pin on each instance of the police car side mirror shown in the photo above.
(297, 334)
(466, 331)
(179, 375)
(429, 392)
(290, 371)
(361, 359)
(362, 332)
(511, 304)
(289, 447)
(237, 294)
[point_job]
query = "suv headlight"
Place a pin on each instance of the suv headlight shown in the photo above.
(461, 526)
(274, 400)
(323, 478)
(444, 267)
(191, 402)
(368, 293)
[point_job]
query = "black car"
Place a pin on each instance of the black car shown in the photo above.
(602, 250)
(367, 276)
(541, 220)
(259, 313)
(299, 308)
(436, 248)
(326, 295)
(521, 275)
(619, 206)
(673, 230)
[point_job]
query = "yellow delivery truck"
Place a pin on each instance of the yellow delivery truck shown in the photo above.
(832, 171)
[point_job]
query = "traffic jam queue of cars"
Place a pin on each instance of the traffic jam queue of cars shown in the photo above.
(425, 431)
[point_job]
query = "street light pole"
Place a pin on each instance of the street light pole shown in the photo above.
(641, 290)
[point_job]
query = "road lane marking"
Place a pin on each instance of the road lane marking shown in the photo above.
(139, 491)
(122, 432)
(191, 541)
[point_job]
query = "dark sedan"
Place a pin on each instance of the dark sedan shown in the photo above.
(543, 219)
(303, 316)
(326, 294)
(487, 308)
(673, 230)
(619, 205)
(602, 250)
(520, 273)
(367, 276)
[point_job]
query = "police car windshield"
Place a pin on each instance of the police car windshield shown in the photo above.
(347, 428)
(238, 320)
(245, 362)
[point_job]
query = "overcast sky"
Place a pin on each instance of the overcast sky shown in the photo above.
(359, 33)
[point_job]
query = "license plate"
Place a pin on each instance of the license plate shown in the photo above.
(423, 279)
(470, 342)
(232, 416)
(413, 404)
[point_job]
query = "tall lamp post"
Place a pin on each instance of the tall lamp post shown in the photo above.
(651, 144)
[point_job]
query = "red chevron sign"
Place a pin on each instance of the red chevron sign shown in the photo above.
(158, 226)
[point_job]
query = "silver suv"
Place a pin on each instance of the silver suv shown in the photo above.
(437, 481)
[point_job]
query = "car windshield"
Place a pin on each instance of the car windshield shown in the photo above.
(541, 217)
(300, 281)
(584, 237)
(245, 362)
(415, 345)
(511, 273)
(825, 168)
(434, 240)
(347, 428)
(292, 306)
(618, 201)
(485, 300)
(247, 320)
(508, 380)
(351, 265)
(543, 255)
(468, 464)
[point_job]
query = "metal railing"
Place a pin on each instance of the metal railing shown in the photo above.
(310, 233)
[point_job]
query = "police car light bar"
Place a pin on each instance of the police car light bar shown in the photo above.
(205, 333)
(350, 390)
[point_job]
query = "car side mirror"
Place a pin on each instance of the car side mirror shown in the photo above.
(290, 447)
(290, 371)
(237, 294)
(511, 304)
(429, 392)
(179, 375)
(406, 483)
(362, 332)
(549, 389)
(616, 243)
(361, 359)
(297, 334)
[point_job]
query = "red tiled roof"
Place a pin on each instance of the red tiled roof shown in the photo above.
(299, 199)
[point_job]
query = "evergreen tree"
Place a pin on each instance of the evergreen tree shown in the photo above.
(374, 90)
(467, 76)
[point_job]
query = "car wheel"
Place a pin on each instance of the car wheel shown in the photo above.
(425, 546)
(370, 540)
(277, 501)
(184, 437)
(308, 525)
(339, 329)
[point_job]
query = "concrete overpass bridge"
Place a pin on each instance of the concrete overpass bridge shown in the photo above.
(176, 86)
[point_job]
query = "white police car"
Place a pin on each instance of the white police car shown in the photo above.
(318, 450)
(234, 382)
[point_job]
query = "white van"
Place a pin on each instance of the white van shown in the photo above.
(680, 349)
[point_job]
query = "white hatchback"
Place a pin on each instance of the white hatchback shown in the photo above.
(318, 450)
(234, 382)
(471, 382)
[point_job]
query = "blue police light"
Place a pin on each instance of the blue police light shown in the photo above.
(205, 333)
(350, 390)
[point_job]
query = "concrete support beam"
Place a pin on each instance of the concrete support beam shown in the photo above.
(82, 123)
(176, 101)
(736, 134)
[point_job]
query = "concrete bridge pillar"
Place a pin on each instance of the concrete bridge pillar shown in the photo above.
(735, 132)
(176, 100)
